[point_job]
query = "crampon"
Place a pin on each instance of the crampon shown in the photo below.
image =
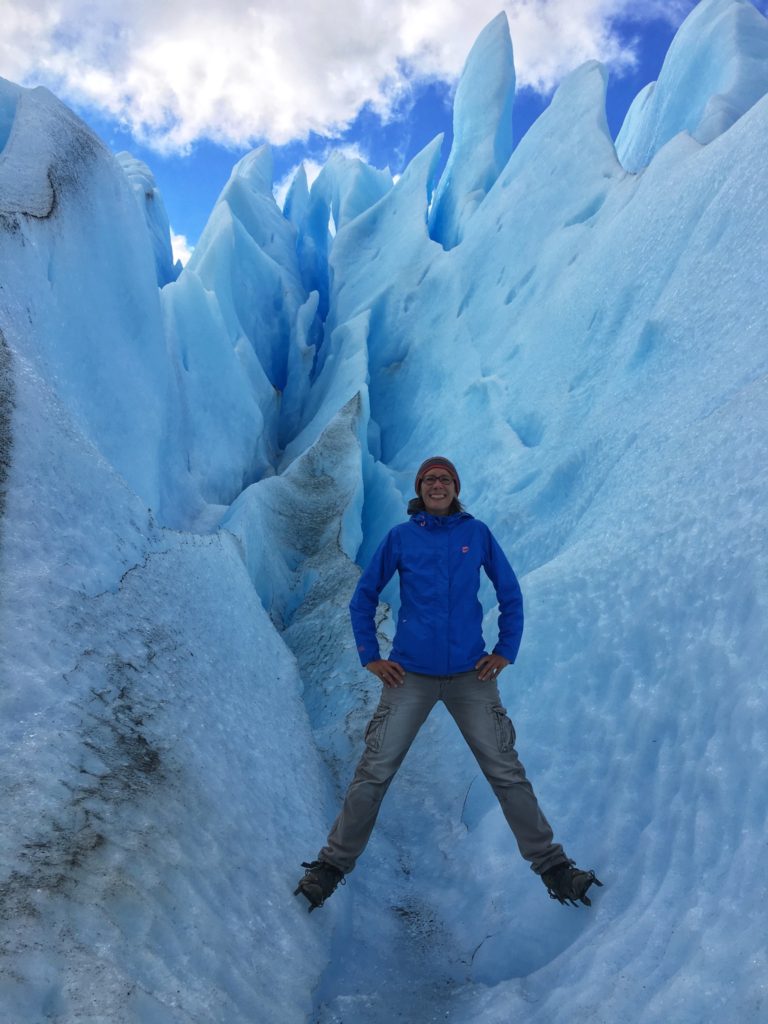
(319, 882)
(569, 884)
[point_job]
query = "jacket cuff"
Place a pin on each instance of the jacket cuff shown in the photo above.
(368, 654)
(505, 652)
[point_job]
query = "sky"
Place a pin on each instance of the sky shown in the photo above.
(190, 87)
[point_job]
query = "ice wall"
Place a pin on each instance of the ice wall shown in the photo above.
(150, 711)
(589, 355)
(151, 716)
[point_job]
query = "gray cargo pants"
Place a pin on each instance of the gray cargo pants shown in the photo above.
(477, 710)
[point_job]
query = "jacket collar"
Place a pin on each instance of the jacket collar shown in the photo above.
(426, 519)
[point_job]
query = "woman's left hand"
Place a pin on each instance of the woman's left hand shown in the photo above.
(490, 665)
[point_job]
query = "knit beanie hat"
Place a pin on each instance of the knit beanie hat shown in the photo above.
(437, 462)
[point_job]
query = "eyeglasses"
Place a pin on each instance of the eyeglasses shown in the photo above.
(430, 480)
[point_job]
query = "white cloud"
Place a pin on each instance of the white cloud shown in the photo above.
(245, 70)
(182, 250)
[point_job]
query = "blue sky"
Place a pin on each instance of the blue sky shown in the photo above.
(190, 96)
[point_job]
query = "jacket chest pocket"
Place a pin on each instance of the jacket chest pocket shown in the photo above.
(466, 562)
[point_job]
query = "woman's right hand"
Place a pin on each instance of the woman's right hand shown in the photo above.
(389, 672)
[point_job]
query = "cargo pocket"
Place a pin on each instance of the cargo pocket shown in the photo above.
(376, 729)
(505, 731)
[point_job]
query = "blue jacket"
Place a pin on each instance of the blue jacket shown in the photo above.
(439, 628)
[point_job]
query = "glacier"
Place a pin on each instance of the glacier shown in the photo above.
(194, 464)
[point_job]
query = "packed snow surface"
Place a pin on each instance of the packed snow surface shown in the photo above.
(191, 476)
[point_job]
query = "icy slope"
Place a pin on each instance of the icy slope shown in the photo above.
(151, 719)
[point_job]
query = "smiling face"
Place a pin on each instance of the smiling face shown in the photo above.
(437, 491)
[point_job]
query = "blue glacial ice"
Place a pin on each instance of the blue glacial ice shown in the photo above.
(344, 189)
(191, 475)
(715, 70)
(151, 204)
(482, 132)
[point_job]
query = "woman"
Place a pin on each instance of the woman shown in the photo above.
(438, 654)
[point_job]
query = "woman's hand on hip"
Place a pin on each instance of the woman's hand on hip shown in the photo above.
(389, 672)
(490, 665)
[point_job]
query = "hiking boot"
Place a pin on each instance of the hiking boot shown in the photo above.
(567, 883)
(319, 882)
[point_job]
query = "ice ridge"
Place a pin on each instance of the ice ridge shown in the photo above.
(152, 206)
(482, 132)
(715, 70)
(9, 98)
